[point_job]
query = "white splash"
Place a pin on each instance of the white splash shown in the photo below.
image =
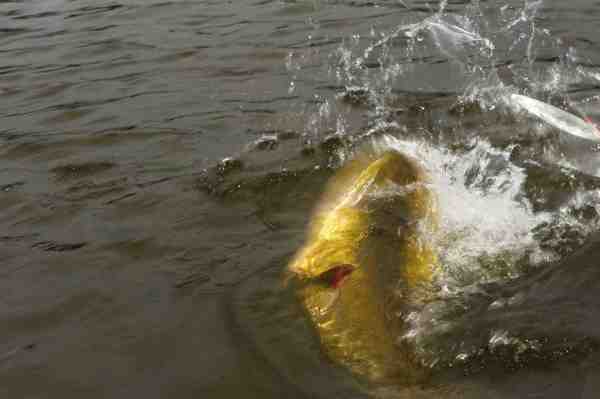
(483, 215)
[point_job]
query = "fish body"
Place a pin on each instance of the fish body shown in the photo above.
(368, 261)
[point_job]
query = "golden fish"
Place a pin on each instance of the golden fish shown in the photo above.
(367, 261)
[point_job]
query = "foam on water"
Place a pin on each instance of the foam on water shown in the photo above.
(484, 217)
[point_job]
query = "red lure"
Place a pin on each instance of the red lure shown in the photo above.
(590, 121)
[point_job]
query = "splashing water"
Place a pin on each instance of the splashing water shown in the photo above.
(484, 55)
(486, 225)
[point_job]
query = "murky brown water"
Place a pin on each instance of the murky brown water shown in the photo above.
(132, 266)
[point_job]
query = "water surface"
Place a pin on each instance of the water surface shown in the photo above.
(159, 162)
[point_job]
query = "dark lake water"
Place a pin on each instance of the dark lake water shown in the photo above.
(159, 161)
